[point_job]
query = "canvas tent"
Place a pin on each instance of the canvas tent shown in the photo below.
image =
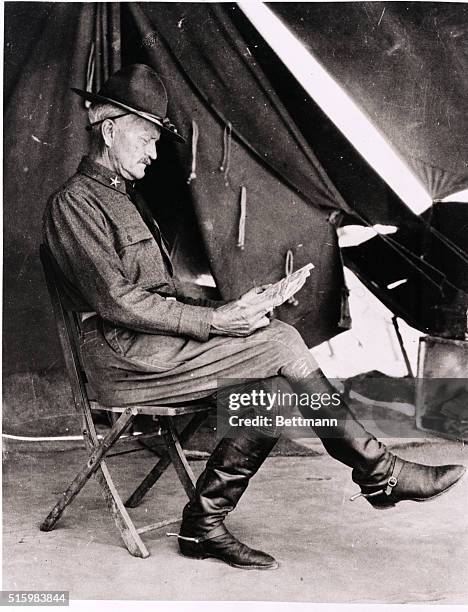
(404, 64)
(254, 138)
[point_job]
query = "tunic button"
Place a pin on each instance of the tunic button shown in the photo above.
(129, 237)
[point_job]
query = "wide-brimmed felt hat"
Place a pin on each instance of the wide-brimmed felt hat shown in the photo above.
(137, 89)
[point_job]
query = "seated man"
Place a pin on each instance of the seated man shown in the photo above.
(148, 342)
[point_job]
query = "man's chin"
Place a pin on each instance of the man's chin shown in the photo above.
(137, 173)
(142, 170)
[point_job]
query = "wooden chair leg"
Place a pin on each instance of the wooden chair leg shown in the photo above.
(164, 462)
(127, 529)
(176, 453)
(161, 466)
(89, 469)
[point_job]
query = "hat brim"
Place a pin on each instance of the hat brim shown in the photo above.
(92, 97)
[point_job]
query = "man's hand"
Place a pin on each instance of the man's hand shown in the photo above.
(245, 315)
(240, 318)
(279, 292)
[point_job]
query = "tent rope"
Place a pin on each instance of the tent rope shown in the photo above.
(90, 67)
(226, 162)
(242, 218)
(410, 257)
(448, 243)
(288, 270)
(195, 133)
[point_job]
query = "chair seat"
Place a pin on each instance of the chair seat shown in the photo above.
(154, 410)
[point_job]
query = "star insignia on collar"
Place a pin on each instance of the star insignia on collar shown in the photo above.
(115, 181)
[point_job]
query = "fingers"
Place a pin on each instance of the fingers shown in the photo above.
(258, 308)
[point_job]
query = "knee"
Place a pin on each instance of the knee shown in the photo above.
(296, 358)
(288, 336)
(283, 343)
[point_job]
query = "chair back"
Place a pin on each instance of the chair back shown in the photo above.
(68, 329)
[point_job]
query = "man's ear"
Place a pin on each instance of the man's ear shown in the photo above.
(108, 132)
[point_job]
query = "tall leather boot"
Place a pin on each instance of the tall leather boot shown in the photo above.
(384, 478)
(219, 488)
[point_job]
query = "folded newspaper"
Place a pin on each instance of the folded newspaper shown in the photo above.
(279, 292)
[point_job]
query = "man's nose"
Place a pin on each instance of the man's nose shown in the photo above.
(152, 151)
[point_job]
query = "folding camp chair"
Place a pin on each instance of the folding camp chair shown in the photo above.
(69, 329)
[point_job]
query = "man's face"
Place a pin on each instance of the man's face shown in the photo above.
(133, 146)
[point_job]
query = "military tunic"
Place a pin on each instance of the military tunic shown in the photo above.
(148, 341)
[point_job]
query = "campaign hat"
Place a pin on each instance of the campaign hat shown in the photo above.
(137, 89)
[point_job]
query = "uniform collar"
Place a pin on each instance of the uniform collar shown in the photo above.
(103, 175)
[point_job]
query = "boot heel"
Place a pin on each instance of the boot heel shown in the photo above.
(189, 547)
(192, 550)
(384, 505)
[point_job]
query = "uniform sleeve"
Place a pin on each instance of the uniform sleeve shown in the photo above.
(78, 236)
(185, 295)
(196, 301)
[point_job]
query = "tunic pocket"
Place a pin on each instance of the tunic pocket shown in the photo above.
(129, 236)
(140, 256)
